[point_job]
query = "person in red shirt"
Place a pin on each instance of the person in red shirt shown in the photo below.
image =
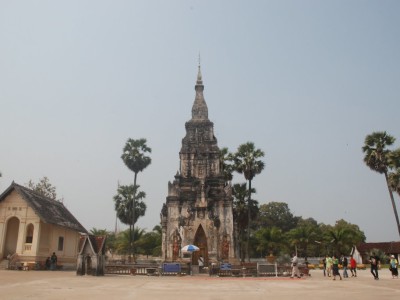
(353, 267)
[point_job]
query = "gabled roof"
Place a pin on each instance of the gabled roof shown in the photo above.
(50, 211)
(96, 243)
(387, 247)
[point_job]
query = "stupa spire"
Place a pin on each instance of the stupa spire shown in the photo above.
(199, 109)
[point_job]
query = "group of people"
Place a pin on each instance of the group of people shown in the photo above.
(331, 266)
(51, 262)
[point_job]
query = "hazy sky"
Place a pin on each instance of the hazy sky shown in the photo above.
(306, 81)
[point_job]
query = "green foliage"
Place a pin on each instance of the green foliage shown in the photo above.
(302, 236)
(276, 214)
(135, 158)
(269, 240)
(150, 243)
(44, 187)
(376, 152)
(380, 159)
(110, 242)
(134, 155)
(123, 241)
(225, 160)
(124, 201)
(241, 212)
(247, 161)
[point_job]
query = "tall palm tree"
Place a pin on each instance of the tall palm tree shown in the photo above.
(377, 158)
(240, 211)
(135, 158)
(129, 207)
(394, 177)
(246, 162)
(394, 181)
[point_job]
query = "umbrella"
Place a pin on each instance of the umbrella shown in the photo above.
(190, 248)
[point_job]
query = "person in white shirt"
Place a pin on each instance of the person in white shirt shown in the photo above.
(295, 267)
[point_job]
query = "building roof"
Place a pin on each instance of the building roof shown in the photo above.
(97, 243)
(387, 247)
(49, 210)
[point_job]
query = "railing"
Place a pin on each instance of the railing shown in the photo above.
(28, 247)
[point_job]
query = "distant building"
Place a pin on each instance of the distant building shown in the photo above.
(387, 247)
(33, 226)
(198, 208)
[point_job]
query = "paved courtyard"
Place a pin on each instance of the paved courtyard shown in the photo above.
(66, 285)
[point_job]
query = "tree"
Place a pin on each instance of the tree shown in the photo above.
(240, 212)
(394, 181)
(269, 240)
(394, 177)
(301, 237)
(341, 237)
(225, 159)
(246, 162)
(276, 214)
(377, 158)
(123, 242)
(44, 187)
(135, 158)
(128, 209)
(150, 242)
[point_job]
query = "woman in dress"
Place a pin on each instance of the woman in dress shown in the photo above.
(335, 267)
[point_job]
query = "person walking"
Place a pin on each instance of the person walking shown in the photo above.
(335, 268)
(344, 262)
(328, 265)
(393, 267)
(295, 267)
(353, 267)
(375, 264)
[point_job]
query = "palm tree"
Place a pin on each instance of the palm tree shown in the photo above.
(341, 239)
(240, 211)
(129, 207)
(377, 158)
(302, 236)
(394, 181)
(98, 232)
(269, 239)
(394, 177)
(123, 240)
(136, 159)
(246, 161)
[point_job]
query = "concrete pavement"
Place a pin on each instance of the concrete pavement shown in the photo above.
(55, 285)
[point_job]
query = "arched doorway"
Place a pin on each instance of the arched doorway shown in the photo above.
(10, 246)
(200, 240)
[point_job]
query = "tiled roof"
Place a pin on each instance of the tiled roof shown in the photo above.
(50, 211)
(97, 243)
(387, 247)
